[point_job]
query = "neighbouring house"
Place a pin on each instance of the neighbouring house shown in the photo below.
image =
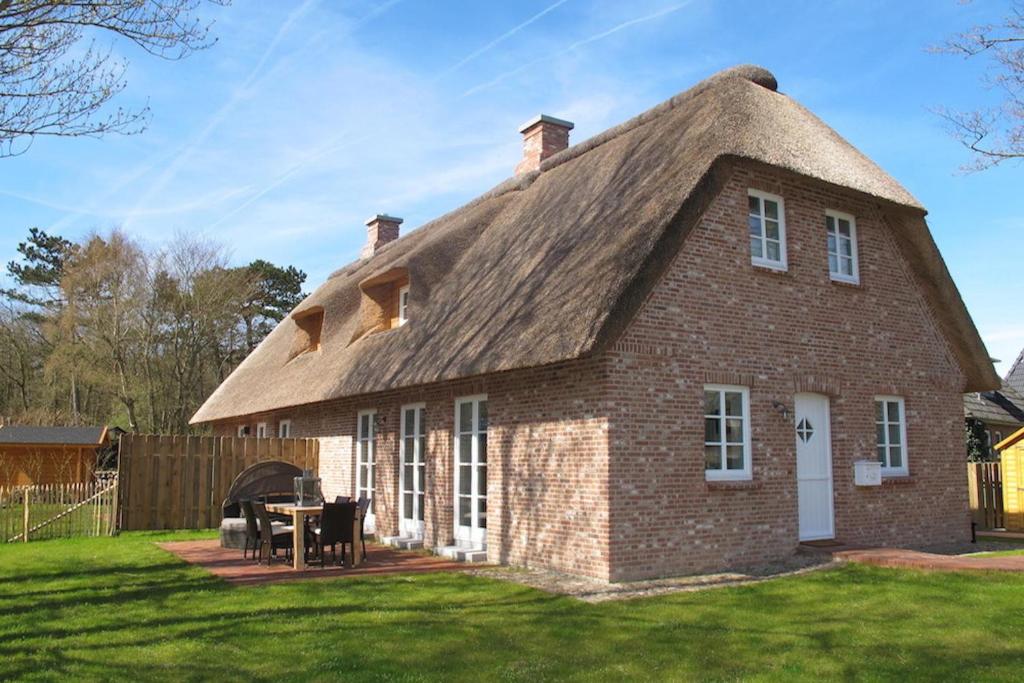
(1015, 377)
(49, 455)
(1012, 464)
(656, 352)
(1001, 411)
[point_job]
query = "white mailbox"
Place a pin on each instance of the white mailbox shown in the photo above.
(867, 473)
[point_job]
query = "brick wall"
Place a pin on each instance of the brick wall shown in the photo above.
(715, 318)
(547, 462)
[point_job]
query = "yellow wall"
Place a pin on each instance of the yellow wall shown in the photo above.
(1013, 482)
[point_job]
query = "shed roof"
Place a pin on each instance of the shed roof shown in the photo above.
(59, 436)
(1010, 440)
(551, 265)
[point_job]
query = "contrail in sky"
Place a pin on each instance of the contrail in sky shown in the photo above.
(500, 39)
(578, 44)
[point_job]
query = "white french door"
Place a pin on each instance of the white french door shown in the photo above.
(814, 467)
(412, 477)
(471, 471)
(366, 463)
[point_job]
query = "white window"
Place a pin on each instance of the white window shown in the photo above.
(403, 305)
(891, 434)
(243, 430)
(726, 432)
(366, 447)
(412, 478)
(471, 421)
(767, 223)
(261, 430)
(842, 246)
(284, 429)
(999, 439)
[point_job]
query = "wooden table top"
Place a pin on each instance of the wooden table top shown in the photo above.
(292, 507)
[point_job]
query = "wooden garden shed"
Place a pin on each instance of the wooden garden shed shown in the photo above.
(1012, 454)
(49, 455)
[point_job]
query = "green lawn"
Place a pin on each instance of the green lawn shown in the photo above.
(120, 608)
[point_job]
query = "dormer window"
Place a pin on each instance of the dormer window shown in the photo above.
(309, 325)
(403, 305)
(385, 302)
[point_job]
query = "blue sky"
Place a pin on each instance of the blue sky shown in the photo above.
(308, 117)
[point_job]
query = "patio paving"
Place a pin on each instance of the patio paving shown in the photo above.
(227, 563)
(902, 558)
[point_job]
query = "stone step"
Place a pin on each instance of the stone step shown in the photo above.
(402, 542)
(461, 554)
(475, 555)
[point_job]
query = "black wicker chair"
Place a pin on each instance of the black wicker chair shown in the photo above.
(272, 536)
(252, 529)
(342, 499)
(336, 524)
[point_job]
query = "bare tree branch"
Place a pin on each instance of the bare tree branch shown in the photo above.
(994, 134)
(46, 88)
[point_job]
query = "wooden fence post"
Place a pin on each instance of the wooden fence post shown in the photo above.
(24, 533)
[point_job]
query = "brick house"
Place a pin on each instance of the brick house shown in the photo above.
(656, 352)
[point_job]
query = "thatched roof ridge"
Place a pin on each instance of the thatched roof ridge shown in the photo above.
(551, 265)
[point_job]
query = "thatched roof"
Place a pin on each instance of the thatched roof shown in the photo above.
(551, 265)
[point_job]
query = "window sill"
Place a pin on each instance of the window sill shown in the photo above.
(855, 284)
(732, 485)
(770, 270)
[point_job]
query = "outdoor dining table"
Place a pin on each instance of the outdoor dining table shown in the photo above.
(298, 514)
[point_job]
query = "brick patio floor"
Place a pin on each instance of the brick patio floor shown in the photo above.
(228, 564)
(914, 559)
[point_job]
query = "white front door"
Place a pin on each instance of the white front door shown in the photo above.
(471, 471)
(413, 474)
(814, 467)
(366, 464)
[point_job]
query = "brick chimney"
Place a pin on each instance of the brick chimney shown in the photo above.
(543, 136)
(380, 230)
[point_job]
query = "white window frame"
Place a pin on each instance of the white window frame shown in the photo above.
(367, 443)
(887, 471)
(474, 535)
(284, 429)
(403, 305)
(723, 474)
(764, 261)
(242, 431)
(261, 430)
(410, 521)
(837, 216)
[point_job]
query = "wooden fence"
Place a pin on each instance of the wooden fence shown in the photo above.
(58, 510)
(179, 482)
(985, 484)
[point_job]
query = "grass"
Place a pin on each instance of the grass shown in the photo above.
(119, 608)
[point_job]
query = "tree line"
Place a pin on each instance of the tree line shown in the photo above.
(106, 331)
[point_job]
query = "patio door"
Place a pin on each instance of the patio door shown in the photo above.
(414, 470)
(814, 467)
(366, 463)
(471, 471)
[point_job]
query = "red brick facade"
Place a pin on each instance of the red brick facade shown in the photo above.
(596, 466)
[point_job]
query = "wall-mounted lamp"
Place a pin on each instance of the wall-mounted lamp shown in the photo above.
(379, 421)
(781, 409)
